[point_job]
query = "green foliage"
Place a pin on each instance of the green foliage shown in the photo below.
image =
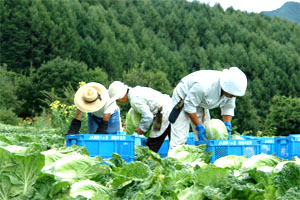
(56, 44)
(156, 80)
(62, 115)
(98, 75)
(35, 164)
(58, 74)
(284, 115)
(7, 116)
(8, 90)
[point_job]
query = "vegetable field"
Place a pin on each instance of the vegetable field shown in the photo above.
(35, 164)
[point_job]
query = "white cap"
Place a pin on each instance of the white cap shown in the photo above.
(117, 90)
(233, 81)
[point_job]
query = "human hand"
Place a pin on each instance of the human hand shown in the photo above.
(201, 132)
(139, 131)
(102, 127)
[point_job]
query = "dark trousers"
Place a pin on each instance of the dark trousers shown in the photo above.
(155, 143)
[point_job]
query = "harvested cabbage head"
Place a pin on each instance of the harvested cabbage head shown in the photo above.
(261, 160)
(133, 119)
(216, 130)
(231, 161)
(88, 189)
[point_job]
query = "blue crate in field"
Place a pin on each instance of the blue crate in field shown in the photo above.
(248, 137)
(221, 148)
(191, 139)
(294, 146)
(140, 139)
(105, 145)
(282, 147)
(164, 149)
(267, 144)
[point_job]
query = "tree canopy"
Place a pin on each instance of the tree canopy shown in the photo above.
(150, 43)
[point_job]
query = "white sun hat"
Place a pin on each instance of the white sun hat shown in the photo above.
(117, 90)
(91, 97)
(233, 81)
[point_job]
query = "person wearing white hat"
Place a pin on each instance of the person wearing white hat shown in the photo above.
(153, 106)
(103, 115)
(200, 91)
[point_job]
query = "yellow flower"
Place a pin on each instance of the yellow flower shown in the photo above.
(81, 83)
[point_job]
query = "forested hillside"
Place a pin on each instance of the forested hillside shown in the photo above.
(289, 10)
(47, 47)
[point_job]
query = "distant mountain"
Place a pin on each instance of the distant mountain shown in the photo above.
(289, 10)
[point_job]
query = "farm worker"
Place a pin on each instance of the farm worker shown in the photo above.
(203, 90)
(103, 116)
(152, 106)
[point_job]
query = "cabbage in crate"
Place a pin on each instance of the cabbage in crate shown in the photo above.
(216, 130)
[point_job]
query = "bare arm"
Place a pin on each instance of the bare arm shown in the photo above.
(194, 118)
(227, 118)
(106, 117)
(78, 115)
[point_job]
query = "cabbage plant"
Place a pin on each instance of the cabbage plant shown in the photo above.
(262, 161)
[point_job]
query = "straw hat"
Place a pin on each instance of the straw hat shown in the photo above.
(91, 97)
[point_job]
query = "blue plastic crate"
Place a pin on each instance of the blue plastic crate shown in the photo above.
(282, 147)
(267, 144)
(191, 139)
(164, 149)
(248, 137)
(105, 145)
(221, 148)
(140, 140)
(294, 146)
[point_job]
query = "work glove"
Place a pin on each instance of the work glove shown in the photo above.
(201, 132)
(102, 127)
(228, 127)
(74, 127)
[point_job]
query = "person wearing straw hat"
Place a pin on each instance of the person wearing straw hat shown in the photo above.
(103, 115)
(200, 91)
(153, 109)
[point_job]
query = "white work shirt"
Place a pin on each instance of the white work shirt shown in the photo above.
(202, 89)
(107, 108)
(146, 101)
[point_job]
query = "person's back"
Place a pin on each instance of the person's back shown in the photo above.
(208, 79)
(153, 98)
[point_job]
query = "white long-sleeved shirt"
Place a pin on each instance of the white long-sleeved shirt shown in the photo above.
(146, 101)
(202, 89)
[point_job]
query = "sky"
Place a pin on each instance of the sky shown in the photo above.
(249, 5)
